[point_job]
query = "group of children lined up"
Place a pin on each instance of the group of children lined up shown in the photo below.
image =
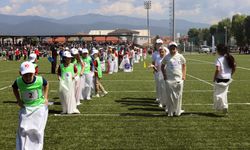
(76, 81)
(170, 73)
(80, 72)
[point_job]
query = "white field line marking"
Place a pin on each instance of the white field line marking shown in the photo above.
(87, 115)
(7, 71)
(213, 63)
(190, 91)
(204, 81)
(137, 81)
(3, 88)
(199, 104)
(110, 105)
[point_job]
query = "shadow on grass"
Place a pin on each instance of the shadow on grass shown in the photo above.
(10, 102)
(205, 114)
(147, 109)
(128, 101)
(142, 115)
(54, 111)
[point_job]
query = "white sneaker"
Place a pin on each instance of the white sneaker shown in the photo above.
(76, 111)
(97, 95)
(88, 98)
(160, 105)
(105, 92)
(79, 104)
(157, 100)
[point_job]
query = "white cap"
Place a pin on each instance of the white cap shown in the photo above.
(74, 51)
(172, 44)
(27, 67)
(159, 41)
(32, 57)
(79, 49)
(95, 51)
(67, 54)
(85, 50)
(66, 48)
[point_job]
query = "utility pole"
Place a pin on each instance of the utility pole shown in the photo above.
(147, 6)
(172, 18)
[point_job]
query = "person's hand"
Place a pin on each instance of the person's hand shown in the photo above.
(46, 102)
(20, 104)
(165, 77)
(81, 74)
(184, 78)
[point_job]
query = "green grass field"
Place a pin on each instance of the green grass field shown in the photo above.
(128, 118)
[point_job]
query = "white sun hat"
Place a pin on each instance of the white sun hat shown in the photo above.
(32, 57)
(74, 51)
(27, 67)
(173, 44)
(67, 54)
(95, 51)
(159, 41)
(85, 50)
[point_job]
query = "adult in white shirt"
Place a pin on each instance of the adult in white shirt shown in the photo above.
(174, 74)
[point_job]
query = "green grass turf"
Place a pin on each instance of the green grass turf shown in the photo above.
(132, 120)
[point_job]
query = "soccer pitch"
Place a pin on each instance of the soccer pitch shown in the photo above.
(128, 117)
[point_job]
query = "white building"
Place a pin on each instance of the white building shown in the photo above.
(140, 38)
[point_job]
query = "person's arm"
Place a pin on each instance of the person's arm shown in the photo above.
(46, 91)
(82, 71)
(234, 69)
(163, 70)
(36, 70)
(184, 71)
(75, 71)
(59, 72)
(17, 95)
(217, 70)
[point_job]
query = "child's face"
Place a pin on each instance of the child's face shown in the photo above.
(67, 60)
(96, 55)
(28, 77)
(173, 49)
(162, 52)
(84, 55)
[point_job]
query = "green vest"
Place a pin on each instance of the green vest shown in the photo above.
(87, 62)
(31, 94)
(65, 71)
(79, 68)
(99, 68)
(35, 65)
(74, 61)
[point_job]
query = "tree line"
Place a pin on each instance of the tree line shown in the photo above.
(238, 27)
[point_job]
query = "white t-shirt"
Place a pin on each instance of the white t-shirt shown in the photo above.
(155, 56)
(225, 70)
(174, 66)
(158, 63)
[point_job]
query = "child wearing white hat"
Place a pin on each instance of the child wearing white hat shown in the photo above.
(174, 74)
(87, 75)
(31, 93)
(78, 79)
(66, 75)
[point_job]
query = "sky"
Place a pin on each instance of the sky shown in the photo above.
(204, 11)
